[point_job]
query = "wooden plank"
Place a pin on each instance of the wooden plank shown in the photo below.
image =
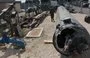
(48, 42)
(34, 33)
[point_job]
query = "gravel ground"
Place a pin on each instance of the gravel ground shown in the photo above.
(36, 48)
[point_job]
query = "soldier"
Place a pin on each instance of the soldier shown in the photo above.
(52, 15)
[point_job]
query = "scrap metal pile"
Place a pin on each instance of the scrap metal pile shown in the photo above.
(70, 36)
(11, 34)
(15, 24)
(10, 16)
(34, 21)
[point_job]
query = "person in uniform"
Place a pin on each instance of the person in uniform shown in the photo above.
(52, 15)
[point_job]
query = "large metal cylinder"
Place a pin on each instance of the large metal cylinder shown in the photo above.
(70, 36)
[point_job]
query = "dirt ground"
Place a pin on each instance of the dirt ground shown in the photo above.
(36, 48)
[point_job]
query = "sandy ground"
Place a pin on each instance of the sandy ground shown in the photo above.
(36, 48)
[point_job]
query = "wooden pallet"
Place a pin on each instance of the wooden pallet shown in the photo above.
(34, 33)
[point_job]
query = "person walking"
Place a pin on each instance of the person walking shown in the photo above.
(52, 15)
